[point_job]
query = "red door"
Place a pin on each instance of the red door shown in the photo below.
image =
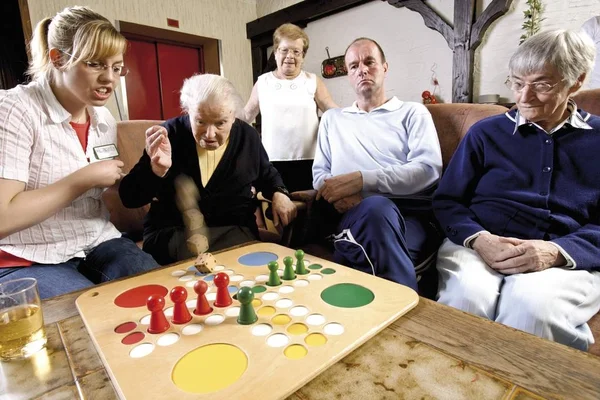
(176, 63)
(157, 72)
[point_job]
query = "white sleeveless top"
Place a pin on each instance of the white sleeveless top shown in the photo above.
(289, 116)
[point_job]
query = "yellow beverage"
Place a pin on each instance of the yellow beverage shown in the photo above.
(21, 331)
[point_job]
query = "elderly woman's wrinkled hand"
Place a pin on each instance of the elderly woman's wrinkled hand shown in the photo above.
(494, 248)
(284, 210)
(530, 256)
(158, 148)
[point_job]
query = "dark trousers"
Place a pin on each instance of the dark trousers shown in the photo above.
(376, 238)
(110, 260)
(296, 174)
(169, 245)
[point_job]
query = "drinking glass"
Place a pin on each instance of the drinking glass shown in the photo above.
(21, 321)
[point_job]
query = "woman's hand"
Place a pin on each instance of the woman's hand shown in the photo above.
(158, 148)
(100, 174)
(284, 210)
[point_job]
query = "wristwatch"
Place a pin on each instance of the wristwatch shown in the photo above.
(282, 189)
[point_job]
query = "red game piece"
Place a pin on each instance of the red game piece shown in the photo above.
(181, 315)
(223, 298)
(158, 321)
(202, 306)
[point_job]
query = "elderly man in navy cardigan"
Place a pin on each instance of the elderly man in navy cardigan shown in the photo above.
(520, 201)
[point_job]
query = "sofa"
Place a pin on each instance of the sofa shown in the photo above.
(452, 122)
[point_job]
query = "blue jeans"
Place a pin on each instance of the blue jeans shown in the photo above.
(110, 260)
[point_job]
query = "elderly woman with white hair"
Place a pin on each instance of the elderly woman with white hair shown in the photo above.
(225, 159)
(520, 201)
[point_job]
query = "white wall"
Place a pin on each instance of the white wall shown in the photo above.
(412, 49)
(220, 19)
(264, 7)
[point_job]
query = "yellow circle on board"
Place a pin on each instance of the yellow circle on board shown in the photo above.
(281, 319)
(295, 351)
(209, 368)
(297, 329)
(315, 339)
(256, 303)
(266, 311)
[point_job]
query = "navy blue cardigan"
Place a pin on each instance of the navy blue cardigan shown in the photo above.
(526, 184)
(227, 198)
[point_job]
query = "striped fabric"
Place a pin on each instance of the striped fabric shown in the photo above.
(38, 146)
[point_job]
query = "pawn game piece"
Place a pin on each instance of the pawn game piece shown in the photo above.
(300, 267)
(247, 314)
(181, 315)
(202, 306)
(223, 298)
(158, 321)
(288, 270)
(273, 275)
(205, 263)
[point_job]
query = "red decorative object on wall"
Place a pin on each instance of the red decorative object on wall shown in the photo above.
(333, 67)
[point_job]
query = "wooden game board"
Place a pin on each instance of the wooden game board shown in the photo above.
(213, 356)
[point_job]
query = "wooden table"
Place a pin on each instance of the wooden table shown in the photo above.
(432, 352)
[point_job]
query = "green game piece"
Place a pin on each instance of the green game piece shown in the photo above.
(247, 314)
(315, 266)
(300, 268)
(288, 271)
(273, 276)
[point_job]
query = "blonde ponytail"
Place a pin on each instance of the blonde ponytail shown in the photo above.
(40, 57)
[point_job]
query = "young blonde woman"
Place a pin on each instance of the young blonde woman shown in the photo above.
(56, 147)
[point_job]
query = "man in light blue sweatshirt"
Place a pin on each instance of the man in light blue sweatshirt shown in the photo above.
(376, 165)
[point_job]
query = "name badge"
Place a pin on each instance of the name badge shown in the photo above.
(106, 152)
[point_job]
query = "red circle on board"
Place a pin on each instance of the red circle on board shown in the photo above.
(137, 297)
(133, 338)
(126, 327)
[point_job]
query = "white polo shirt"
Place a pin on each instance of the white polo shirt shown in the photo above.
(38, 146)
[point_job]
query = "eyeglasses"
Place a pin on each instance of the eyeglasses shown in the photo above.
(284, 52)
(537, 87)
(99, 67)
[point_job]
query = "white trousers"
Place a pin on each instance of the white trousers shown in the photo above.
(555, 304)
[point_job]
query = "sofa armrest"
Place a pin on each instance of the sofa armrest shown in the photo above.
(128, 221)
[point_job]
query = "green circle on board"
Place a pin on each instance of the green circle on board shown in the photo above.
(347, 295)
(259, 289)
(328, 271)
(315, 266)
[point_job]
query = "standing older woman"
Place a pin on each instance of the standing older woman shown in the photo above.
(53, 223)
(224, 157)
(287, 99)
(520, 201)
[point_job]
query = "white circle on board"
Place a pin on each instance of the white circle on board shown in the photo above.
(333, 329)
(168, 339)
(219, 268)
(211, 296)
(278, 340)
(141, 350)
(145, 320)
(228, 271)
(186, 278)
(262, 278)
(191, 329)
(236, 278)
(178, 273)
(270, 296)
(284, 303)
(232, 312)
(191, 303)
(299, 311)
(315, 319)
(215, 319)
(280, 272)
(247, 283)
(301, 283)
(286, 289)
(261, 330)
(190, 283)
(169, 312)
(315, 277)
